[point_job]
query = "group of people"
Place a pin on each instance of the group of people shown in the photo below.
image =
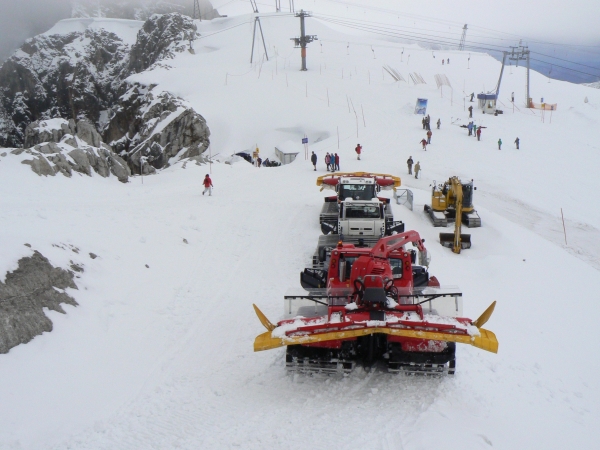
(517, 140)
(332, 161)
(474, 130)
(427, 122)
(409, 163)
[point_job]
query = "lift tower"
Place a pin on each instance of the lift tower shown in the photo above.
(461, 46)
(197, 13)
(303, 39)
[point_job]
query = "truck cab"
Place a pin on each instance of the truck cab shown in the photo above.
(361, 218)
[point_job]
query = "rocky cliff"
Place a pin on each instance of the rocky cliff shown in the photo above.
(72, 76)
(149, 128)
(61, 146)
(81, 75)
(33, 286)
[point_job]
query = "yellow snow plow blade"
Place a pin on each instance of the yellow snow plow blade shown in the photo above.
(263, 319)
(481, 321)
(485, 341)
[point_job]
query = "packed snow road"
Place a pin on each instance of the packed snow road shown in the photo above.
(158, 354)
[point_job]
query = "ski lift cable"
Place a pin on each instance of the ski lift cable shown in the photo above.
(423, 37)
(428, 39)
(566, 68)
(225, 29)
(566, 60)
(359, 25)
(460, 24)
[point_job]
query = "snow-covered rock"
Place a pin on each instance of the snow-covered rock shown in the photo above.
(58, 145)
(72, 75)
(80, 73)
(160, 38)
(155, 127)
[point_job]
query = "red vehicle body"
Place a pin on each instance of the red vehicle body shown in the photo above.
(375, 312)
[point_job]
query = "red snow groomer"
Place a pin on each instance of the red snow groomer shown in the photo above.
(374, 309)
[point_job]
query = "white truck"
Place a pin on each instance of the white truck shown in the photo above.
(356, 212)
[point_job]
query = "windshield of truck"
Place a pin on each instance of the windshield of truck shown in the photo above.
(362, 212)
(357, 191)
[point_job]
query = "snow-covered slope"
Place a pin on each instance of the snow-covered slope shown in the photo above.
(158, 354)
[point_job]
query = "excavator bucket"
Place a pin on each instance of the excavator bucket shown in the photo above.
(447, 240)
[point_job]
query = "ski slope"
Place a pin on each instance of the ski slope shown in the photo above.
(158, 354)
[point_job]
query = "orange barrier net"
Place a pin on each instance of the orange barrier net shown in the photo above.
(545, 106)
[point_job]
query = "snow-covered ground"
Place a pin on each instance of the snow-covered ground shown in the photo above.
(158, 354)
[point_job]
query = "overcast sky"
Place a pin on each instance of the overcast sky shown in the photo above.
(493, 21)
(21, 19)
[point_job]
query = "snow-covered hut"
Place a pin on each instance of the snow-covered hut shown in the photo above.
(487, 102)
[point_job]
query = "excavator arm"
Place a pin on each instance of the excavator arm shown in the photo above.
(456, 240)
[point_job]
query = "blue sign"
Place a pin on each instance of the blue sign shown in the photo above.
(305, 140)
(421, 106)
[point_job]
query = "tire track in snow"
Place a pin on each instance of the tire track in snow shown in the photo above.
(583, 239)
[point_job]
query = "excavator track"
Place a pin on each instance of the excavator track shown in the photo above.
(471, 219)
(438, 218)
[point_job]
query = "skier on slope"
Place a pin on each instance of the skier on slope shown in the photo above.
(358, 150)
(207, 185)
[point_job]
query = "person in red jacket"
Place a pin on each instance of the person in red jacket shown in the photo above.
(358, 149)
(424, 144)
(207, 185)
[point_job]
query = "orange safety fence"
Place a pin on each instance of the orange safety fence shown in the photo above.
(545, 106)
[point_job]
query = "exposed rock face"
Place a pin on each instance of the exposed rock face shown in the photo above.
(152, 128)
(51, 130)
(70, 76)
(81, 75)
(65, 146)
(25, 294)
(160, 38)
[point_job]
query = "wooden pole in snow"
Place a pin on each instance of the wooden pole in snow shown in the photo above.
(563, 221)
(363, 114)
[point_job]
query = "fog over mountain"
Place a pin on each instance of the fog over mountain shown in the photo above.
(27, 18)
(566, 40)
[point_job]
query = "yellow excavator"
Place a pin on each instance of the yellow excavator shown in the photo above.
(453, 200)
